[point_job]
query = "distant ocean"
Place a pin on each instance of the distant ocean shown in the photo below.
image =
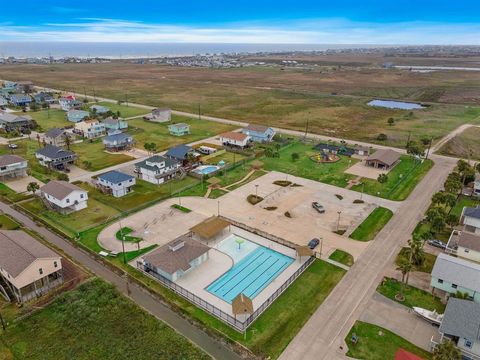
(138, 50)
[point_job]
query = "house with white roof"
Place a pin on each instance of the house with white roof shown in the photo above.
(64, 197)
(158, 169)
(159, 115)
(115, 183)
(68, 103)
(12, 166)
(28, 268)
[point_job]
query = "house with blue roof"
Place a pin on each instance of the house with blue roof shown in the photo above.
(118, 142)
(99, 109)
(183, 154)
(470, 219)
(43, 97)
(158, 169)
(115, 183)
(20, 99)
(3, 101)
(76, 116)
(259, 133)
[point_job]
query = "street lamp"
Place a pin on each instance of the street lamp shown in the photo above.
(123, 242)
(338, 221)
(218, 207)
(256, 190)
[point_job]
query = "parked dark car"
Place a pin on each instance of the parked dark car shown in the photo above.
(312, 244)
(437, 243)
(319, 207)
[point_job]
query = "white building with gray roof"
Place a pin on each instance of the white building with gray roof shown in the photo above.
(157, 169)
(63, 196)
(12, 166)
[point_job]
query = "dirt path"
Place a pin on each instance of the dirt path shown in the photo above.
(450, 136)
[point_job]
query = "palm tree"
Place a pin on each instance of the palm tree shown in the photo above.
(68, 141)
(33, 187)
(417, 255)
(404, 267)
(446, 351)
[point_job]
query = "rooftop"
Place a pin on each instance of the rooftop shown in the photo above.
(19, 250)
(210, 227)
(120, 137)
(462, 319)
(386, 156)
(468, 240)
(6, 160)
(457, 271)
(156, 159)
(256, 128)
(55, 132)
(238, 136)
(115, 176)
(60, 189)
(54, 152)
(11, 118)
(179, 152)
(472, 212)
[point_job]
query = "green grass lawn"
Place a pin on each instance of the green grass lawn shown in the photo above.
(342, 257)
(11, 195)
(95, 322)
(145, 131)
(332, 173)
(413, 296)
(7, 223)
(95, 154)
(95, 214)
(49, 119)
(402, 179)
(123, 233)
(228, 157)
(372, 225)
(464, 201)
(125, 111)
(427, 265)
(377, 343)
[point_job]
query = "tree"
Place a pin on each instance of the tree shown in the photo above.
(391, 121)
(477, 167)
(150, 147)
(295, 156)
(404, 267)
(437, 216)
(415, 148)
(446, 350)
(461, 295)
(62, 176)
(33, 187)
(453, 184)
(68, 141)
(382, 137)
(382, 178)
(417, 255)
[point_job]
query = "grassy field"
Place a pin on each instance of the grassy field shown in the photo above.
(413, 296)
(11, 195)
(94, 153)
(465, 145)
(284, 97)
(94, 322)
(427, 265)
(402, 179)
(7, 223)
(125, 111)
(144, 131)
(332, 173)
(377, 343)
(372, 225)
(342, 257)
(48, 119)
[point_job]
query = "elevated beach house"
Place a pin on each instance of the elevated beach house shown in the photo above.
(235, 139)
(12, 166)
(57, 137)
(115, 183)
(55, 157)
(11, 122)
(158, 169)
(115, 124)
(259, 133)
(64, 197)
(159, 115)
(118, 142)
(76, 116)
(90, 129)
(179, 129)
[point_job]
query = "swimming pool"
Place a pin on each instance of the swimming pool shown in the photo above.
(206, 169)
(255, 267)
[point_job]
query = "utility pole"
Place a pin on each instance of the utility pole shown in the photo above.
(306, 131)
(408, 139)
(199, 112)
(94, 96)
(3, 322)
(126, 99)
(429, 146)
(123, 242)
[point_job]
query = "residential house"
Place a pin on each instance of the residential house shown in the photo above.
(159, 115)
(99, 109)
(465, 245)
(69, 103)
(76, 116)
(90, 129)
(64, 197)
(461, 324)
(24, 87)
(12, 166)
(55, 157)
(3, 101)
(451, 274)
(20, 99)
(57, 137)
(118, 142)
(10, 85)
(476, 186)
(361, 150)
(115, 183)
(176, 258)
(235, 139)
(179, 129)
(384, 159)
(259, 133)
(158, 169)
(10, 122)
(470, 219)
(334, 149)
(183, 154)
(43, 97)
(112, 124)
(28, 268)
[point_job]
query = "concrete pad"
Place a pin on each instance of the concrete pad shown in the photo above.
(360, 169)
(20, 184)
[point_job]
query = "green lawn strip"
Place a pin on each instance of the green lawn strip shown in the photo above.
(342, 257)
(216, 193)
(123, 233)
(413, 296)
(109, 325)
(125, 111)
(94, 154)
(372, 225)
(181, 208)
(228, 157)
(7, 223)
(144, 131)
(427, 265)
(49, 119)
(330, 173)
(402, 179)
(464, 201)
(11, 195)
(377, 343)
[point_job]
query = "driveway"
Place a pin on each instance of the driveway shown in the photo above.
(20, 184)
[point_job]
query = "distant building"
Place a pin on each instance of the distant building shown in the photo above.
(43, 97)
(115, 183)
(69, 103)
(55, 157)
(3, 101)
(99, 109)
(235, 139)
(10, 122)
(118, 142)
(112, 124)
(175, 259)
(259, 133)
(12, 166)
(183, 154)
(57, 137)
(90, 129)
(28, 268)
(179, 129)
(76, 116)
(384, 159)
(476, 186)
(159, 115)
(64, 197)
(157, 169)
(24, 87)
(20, 99)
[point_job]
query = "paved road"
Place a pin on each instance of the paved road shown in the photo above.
(140, 296)
(322, 336)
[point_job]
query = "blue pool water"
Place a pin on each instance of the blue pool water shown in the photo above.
(206, 169)
(395, 104)
(251, 274)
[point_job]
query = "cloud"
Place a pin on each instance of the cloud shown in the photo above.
(320, 31)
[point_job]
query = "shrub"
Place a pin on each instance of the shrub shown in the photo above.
(254, 199)
(288, 215)
(382, 137)
(270, 208)
(181, 208)
(358, 201)
(339, 197)
(340, 232)
(283, 183)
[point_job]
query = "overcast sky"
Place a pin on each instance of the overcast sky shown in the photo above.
(299, 21)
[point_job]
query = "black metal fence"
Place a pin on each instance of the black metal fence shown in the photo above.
(240, 325)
